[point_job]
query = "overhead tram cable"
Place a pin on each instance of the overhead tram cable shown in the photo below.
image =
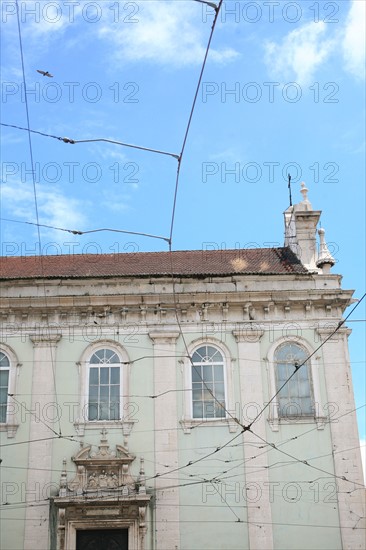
(52, 358)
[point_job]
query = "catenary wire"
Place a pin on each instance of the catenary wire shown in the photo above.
(34, 186)
(72, 141)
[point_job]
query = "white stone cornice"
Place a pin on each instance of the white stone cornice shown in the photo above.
(40, 340)
(161, 337)
(248, 334)
(327, 331)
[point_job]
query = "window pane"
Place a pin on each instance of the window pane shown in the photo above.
(93, 393)
(209, 409)
(304, 388)
(207, 373)
(104, 393)
(114, 411)
(3, 396)
(94, 376)
(104, 356)
(104, 411)
(4, 378)
(196, 374)
(210, 352)
(104, 375)
(306, 406)
(220, 410)
(196, 357)
(97, 357)
(4, 361)
(115, 393)
(93, 411)
(219, 373)
(219, 392)
(197, 409)
(197, 394)
(115, 375)
(108, 354)
(207, 396)
(282, 373)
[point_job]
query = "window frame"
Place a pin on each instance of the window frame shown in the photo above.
(274, 418)
(202, 383)
(100, 365)
(4, 368)
(304, 368)
(11, 423)
(188, 421)
(82, 422)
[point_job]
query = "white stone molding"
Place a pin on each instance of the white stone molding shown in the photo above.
(42, 428)
(11, 424)
(45, 340)
(345, 439)
(167, 533)
(274, 418)
(162, 337)
(251, 390)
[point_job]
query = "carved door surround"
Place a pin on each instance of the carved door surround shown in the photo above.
(103, 495)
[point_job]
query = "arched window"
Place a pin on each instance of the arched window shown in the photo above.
(296, 397)
(104, 385)
(208, 383)
(4, 385)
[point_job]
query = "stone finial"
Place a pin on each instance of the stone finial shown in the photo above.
(325, 260)
(305, 203)
(63, 480)
(141, 481)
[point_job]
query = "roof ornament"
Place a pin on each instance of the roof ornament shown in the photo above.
(325, 260)
(305, 203)
(289, 188)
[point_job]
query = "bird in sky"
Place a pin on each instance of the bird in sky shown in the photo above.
(45, 73)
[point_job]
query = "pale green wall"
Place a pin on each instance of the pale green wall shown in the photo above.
(212, 524)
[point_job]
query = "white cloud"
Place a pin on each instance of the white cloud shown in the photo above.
(300, 53)
(354, 39)
(167, 33)
(54, 208)
(304, 50)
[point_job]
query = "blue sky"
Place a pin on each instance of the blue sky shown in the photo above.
(283, 91)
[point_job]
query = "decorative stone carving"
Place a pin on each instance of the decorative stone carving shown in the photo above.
(101, 470)
(103, 493)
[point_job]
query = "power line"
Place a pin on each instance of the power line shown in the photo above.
(74, 141)
(34, 189)
(78, 232)
(217, 10)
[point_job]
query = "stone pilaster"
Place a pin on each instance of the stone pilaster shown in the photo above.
(344, 434)
(43, 409)
(166, 439)
(260, 534)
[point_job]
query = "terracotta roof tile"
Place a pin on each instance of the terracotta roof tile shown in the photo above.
(181, 263)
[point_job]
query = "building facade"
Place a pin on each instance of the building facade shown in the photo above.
(180, 401)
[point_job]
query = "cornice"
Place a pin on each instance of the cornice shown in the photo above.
(162, 337)
(40, 340)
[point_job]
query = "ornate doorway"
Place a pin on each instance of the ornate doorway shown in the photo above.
(108, 539)
(103, 507)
